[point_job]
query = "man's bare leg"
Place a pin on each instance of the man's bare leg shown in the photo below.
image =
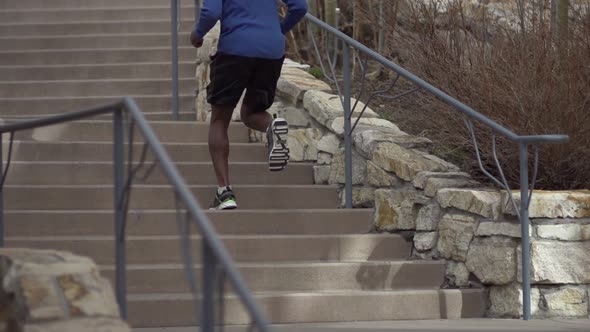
(219, 142)
(259, 121)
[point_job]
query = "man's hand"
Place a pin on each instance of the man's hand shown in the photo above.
(196, 42)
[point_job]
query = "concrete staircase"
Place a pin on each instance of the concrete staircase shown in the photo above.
(304, 259)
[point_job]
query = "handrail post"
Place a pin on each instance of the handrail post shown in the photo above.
(119, 178)
(524, 222)
(209, 286)
(174, 31)
(346, 91)
(2, 192)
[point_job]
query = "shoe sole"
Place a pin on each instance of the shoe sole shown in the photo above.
(279, 153)
(230, 205)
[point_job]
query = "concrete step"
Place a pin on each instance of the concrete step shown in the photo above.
(26, 4)
(13, 43)
(91, 56)
(43, 106)
(243, 248)
(77, 15)
(151, 310)
(95, 71)
(294, 277)
(106, 87)
(163, 222)
(195, 173)
(93, 131)
(103, 151)
(167, 116)
(96, 197)
(32, 26)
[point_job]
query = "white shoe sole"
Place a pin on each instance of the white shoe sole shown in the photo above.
(225, 206)
(278, 158)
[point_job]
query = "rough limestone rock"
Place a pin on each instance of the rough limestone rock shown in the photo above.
(403, 162)
(428, 217)
(554, 262)
(337, 125)
(423, 177)
(499, 228)
(455, 234)
(493, 260)
(321, 174)
(45, 286)
(554, 204)
(457, 274)
(362, 197)
(324, 158)
(295, 117)
(485, 203)
(449, 166)
(377, 177)
(359, 169)
(567, 302)
(330, 143)
(366, 140)
(294, 83)
(563, 232)
(395, 209)
(425, 241)
(209, 47)
(433, 185)
(325, 107)
(506, 301)
(302, 144)
(288, 63)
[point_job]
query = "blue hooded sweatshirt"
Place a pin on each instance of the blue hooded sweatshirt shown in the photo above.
(250, 28)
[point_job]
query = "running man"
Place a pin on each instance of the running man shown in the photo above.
(249, 57)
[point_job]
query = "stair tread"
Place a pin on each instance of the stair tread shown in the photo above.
(343, 293)
(196, 237)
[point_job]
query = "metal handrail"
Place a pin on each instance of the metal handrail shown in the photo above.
(215, 254)
(523, 141)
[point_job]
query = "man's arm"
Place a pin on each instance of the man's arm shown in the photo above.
(210, 14)
(296, 10)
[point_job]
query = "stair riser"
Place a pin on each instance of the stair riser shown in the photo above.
(196, 174)
(145, 223)
(92, 25)
(416, 305)
(75, 15)
(300, 278)
(92, 88)
(58, 57)
(33, 151)
(122, 71)
(93, 41)
(34, 4)
(258, 249)
(100, 131)
(90, 198)
(27, 107)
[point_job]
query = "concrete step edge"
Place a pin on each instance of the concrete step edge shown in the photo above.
(114, 64)
(77, 50)
(281, 265)
(135, 238)
(94, 35)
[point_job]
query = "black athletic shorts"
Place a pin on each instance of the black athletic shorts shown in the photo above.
(232, 74)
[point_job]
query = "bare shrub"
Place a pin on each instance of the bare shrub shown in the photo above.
(509, 66)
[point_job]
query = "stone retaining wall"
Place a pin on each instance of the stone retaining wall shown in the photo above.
(448, 215)
(54, 291)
